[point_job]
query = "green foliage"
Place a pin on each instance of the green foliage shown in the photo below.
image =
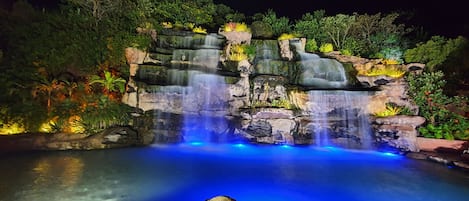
(241, 52)
(103, 114)
(199, 12)
(310, 26)
(435, 51)
(375, 33)
(338, 28)
(109, 82)
(261, 29)
(394, 54)
(311, 45)
(279, 24)
(282, 103)
(326, 47)
(427, 92)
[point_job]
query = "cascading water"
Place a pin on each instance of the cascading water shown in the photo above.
(338, 116)
(320, 72)
(204, 100)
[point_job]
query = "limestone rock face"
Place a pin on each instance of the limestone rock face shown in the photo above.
(235, 37)
(270, 125)
(399, 131)
(285, 51)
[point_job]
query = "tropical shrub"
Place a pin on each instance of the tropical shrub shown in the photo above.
(427, 92)
(109, 83)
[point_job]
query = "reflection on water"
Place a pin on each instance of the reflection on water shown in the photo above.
(246, 173)
(66, 170)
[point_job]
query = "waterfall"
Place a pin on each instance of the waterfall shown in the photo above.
(338, 118)
(320, 72)
(204, 101)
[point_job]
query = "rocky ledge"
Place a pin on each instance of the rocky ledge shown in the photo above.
(110, 138)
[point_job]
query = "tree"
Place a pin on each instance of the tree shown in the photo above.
(338, 28)
(98, 9)
(379, 34)
(47, 87)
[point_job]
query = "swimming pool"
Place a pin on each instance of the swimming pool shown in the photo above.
(187, 172)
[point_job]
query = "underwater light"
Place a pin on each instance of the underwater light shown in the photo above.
(196, 143)
(239, 145)
(286, 146)
(389, 154)
(332, 148)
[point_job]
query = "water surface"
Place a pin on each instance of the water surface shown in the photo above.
(244, 172)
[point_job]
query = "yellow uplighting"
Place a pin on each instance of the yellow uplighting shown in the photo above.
(12, 128)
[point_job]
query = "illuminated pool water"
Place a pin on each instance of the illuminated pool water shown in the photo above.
(243, 172)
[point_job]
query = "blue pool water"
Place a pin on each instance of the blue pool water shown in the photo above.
(192, 172)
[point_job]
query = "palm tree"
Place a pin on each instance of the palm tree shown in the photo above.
(109, 83)
(47, 87)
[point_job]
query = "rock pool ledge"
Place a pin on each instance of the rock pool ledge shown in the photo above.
(116, 137)
(452, 153)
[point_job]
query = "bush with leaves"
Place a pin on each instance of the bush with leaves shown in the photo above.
(199, 12)
(310, 26)
(311, 45)
(279, 24)
(435, 51)
(326, 47)
(427, 92)
(261, 29)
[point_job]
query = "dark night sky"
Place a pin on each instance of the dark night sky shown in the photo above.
(443, 17)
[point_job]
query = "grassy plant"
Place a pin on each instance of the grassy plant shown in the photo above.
(389, 70)
(391, 110)
(241, 52)
(199, 30)
(282, 103)
(287, 36)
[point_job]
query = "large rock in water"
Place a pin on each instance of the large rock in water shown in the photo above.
(399, 131)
